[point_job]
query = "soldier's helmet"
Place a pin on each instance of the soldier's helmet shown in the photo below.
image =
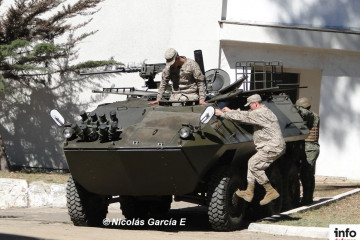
(303, 102)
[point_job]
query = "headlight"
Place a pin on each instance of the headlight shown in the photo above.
(103, 129)
(77, 130)
(68, 133)
(185, 132)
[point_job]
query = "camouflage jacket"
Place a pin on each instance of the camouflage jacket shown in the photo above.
(185, 79)
(267, 132)
(312, 121)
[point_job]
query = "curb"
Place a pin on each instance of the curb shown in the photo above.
(18, 193)
(310, 232)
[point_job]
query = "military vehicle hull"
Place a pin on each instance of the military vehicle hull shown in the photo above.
(149, 159)
(146, 156)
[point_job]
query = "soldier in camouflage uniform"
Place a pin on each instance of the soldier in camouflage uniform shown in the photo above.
(312, 149)
(186, 77)
(269, 142)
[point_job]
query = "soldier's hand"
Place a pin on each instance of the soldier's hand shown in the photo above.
(154, 102)
(218, 112)
(226, 109)
(202, 102)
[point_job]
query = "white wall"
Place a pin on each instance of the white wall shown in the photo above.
(338, 91)
(134, 31)
(131, 32)
(328, 62)
(341, 14)
(137, 31)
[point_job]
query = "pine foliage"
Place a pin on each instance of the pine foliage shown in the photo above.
(31, 49)
(39, 41)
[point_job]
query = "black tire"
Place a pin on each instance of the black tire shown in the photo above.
(160, 207)
(223, 215)
(84, 208)
(291, 189)
(133, 207)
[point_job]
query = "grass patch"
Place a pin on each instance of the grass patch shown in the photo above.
(332, 189)
(60, 178)
(343, 211)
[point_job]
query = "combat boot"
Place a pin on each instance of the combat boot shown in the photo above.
(248, 194)
(270, 194)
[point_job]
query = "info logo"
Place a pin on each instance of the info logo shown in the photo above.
(344, 232)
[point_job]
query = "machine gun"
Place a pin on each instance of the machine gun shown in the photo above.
(146, 71)
(215, 79)
(259, 77)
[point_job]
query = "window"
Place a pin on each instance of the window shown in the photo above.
(268, 76)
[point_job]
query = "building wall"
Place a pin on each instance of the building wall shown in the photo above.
(136, 31)
(319, 40)
(131, 32)
(337, 14)
(333, 87)
(288, 31)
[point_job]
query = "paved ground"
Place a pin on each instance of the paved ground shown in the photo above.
(54, 223)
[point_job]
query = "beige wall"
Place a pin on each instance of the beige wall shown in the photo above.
(311, 78)
(333, 81)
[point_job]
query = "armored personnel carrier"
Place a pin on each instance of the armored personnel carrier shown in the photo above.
(146, 156)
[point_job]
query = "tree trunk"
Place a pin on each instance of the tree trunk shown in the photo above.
(4, 166)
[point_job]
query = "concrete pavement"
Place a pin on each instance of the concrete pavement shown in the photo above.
(18, 193)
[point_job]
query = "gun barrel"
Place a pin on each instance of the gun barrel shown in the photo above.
(199, 59)
(110, 70)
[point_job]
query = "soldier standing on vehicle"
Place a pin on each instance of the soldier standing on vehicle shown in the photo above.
(269, 142)
(312, 149)
(186, 77)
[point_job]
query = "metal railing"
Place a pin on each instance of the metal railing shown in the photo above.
(260, 74)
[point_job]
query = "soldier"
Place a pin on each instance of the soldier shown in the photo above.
(269, 142)
(186, 77)
(312, 149)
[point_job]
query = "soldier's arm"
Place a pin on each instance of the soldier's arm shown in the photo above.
(238, 115)
(304, 113)
(247, 117)
(311, 118)
(201, 87)
(165, 78)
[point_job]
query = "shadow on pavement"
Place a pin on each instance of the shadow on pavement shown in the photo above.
(4, 236)
(184, 219)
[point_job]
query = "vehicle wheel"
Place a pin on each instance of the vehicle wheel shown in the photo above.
(84, 208)
(223, 215)
(133, 207)
(160, 207)
(291, 189)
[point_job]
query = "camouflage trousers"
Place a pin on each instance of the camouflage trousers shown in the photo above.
(259, 163)
(184, 97)
(307, 170)
(312, 150)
